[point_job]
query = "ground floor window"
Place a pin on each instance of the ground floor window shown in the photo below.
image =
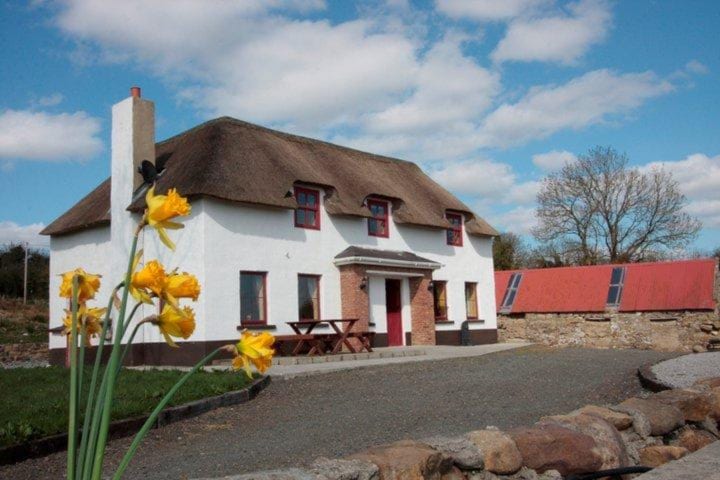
(440, 299)
(471, 305)
(253, 297)
(309, 297)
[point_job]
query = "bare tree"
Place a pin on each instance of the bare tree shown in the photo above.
(600, 209)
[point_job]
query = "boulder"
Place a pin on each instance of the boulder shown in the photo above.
(453, 474)
(464, 453)
(663, 418)
(695, 405)
(500, 454)
(715, 411)
(553, 447)
(550, 475)
(338, 469)
(711, 382)
(406, 460)
(609, 443)
(525, 474)
(658, 455)
(619, 420)
(692, 439)
(285, 474)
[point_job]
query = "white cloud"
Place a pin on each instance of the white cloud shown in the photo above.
(485, 179)
(488, 10)
(11, 232)
(561, 38)
(449, 88)
(698, 176)
(49, 100)
(28, 135)
(519, 220)
(581, 102)
(553, 160)
(694, 66)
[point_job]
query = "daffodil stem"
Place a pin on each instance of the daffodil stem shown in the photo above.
(112, 369)
(153, 416)
(81, 471)
(72, 415)
(128, 345)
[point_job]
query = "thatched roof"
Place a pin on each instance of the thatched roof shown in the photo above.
(237, 161)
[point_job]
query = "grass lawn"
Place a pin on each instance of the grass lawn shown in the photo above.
(35, 400)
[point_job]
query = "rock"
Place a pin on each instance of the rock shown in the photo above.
(634, 443)
(285, 474)
(695, 405)
(660, 455)
(641, 424)
(609, 443)
(706, 327)
(550, 475)
(710, 425)
(712, 382)
(464, 453)
(698, 348)
(691, 439)
(338, 469)
(525, 474)
(500, 454)
(619, 420)
(482, 475)
(552, 447)
(453, 474)
(406, 460)
(663, 418)
(715, 412)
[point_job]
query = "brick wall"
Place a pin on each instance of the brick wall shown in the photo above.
(356, 302)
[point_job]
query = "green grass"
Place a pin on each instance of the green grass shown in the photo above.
(35, 400)
(23, 323)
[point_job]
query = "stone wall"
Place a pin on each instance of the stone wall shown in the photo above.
(23, 352)
(647, 432)
(663, 331)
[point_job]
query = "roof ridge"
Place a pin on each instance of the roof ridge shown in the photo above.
(566, 267)
(289, 136)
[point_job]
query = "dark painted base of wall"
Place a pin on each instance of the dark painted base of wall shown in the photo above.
(190, 353)
(477, 337)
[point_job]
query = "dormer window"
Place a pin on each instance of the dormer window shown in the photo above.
(455, 233)
(378, 222)
(307, 214)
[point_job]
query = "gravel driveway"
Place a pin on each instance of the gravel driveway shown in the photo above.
(338, 413)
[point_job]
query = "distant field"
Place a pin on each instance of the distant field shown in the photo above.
(35, 400)
(23, 323)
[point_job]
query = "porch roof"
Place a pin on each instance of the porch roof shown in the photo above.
(391, 258)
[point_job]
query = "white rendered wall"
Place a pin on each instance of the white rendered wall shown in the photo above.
(254, 238)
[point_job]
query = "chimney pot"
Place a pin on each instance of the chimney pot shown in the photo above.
(135, 92)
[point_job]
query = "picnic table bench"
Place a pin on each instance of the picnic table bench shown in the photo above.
(323, 343)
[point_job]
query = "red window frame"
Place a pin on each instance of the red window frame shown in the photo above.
(383, 219)
(437, 284)
(319, 299)
(473, 286)
(264, 320)
(308, 208)
(454, 234)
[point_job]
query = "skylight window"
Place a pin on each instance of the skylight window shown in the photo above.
(617, 280)
(511, 292)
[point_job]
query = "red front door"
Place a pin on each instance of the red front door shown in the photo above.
(394, 315)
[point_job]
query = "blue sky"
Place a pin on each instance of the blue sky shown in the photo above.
(487, 96)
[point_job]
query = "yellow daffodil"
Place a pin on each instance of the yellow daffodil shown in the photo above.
(180, 285)
(174, 323)
(88, 284)
(161, 209)
(149, 279)
(255, 349)
(88, 318)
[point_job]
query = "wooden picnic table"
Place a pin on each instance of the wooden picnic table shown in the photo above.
(318, 342)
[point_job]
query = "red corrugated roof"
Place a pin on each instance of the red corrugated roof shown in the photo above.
(686, 285)
(664, 286)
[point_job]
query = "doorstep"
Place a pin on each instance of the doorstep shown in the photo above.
(377, 353)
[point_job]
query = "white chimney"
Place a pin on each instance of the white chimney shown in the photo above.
(133, 140)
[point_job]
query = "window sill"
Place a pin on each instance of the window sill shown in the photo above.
(256, 326)
(444, 322)
(475, 320)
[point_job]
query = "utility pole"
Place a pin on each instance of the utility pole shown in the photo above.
(27, 247)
